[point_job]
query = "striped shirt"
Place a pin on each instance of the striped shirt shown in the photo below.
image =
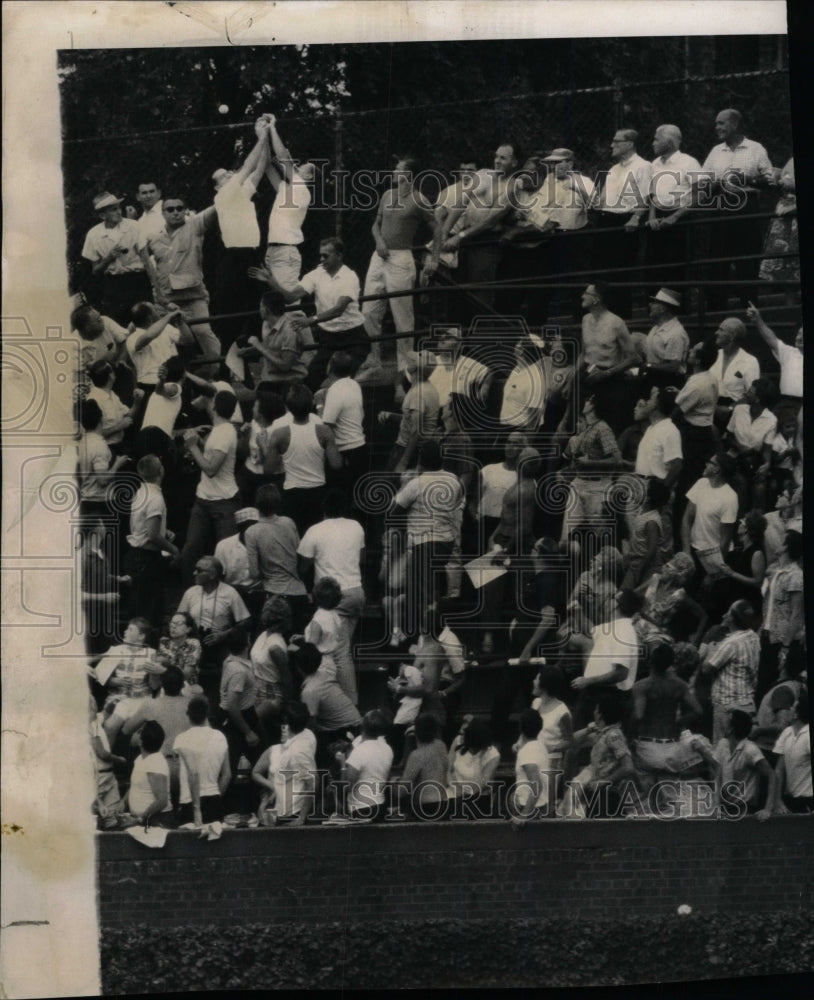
(735, 662)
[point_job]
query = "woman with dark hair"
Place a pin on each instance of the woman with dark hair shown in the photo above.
(269, 657)
(558, 726)
(180, 647)
(744, 569)
(472, 763)
(784, 613)
(531, 797)
(648, 537)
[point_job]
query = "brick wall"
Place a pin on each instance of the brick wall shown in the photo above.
(592, 868)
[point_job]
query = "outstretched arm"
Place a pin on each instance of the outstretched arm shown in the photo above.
(281, 151)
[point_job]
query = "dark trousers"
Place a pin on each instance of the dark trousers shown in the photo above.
(146, 568)
(303, 506)
(354, 341)
(120, 292)
(210, 521)
(235, 292)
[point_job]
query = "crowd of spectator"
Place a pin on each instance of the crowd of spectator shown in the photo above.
(606, 524)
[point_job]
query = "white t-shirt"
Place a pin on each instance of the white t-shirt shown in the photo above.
(335, 546)
(496, 480)
(162, 411)
(221, 486)
(614, 642)
(532, 752)
(795, 748)
(714, 506)
(344, 410)
(149, 358)
(373, 760)
(141, 796)
(207, 749)
(236, 214)
(791, 369)
(147, 503)
(288, 212)
(660, 444)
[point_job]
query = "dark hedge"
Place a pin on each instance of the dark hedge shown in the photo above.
(456, 953)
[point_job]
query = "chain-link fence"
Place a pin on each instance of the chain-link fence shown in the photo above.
(441, 135)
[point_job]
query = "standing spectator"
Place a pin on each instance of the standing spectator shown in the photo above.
(419, 412)
(237, 218)
(154, 341)
(671, 187)
(694, 416)
(238, 716)
(232, 555)
(458, 374)
(734, 369)
(291, 201)
(271, 546)
(433, 500)
(741, 761)
(659, 454)
(305, 445)
(116, 416)
(343, 412)
(148, 541)
(335, 548)
(287, 770)
(217, 610)
(283, 346)
(607, 353)
(620, 209)
(402, 209)
(151, 221)
(425, 772)
(745, 568)
(734, 662)
(668, 614)
(749, 438)
(782, 239)
(337, 323)
(708, 525)
(558, 726)
(524, 391)
(532, 772)
(737, 165)
(204, 772)
(331, 710)
(784, 613)
(96, 468)
(667, 342)
(367, 769)
(217, 498)
(272, 675)
(651, 537)
(495, 480)
(251, 474)
(149, 797)
(112, 247)
(789, 358)
(177, 274)
(102, 339)
(793, 784)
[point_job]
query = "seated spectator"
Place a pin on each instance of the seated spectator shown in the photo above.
(558, 726)
(423, 782)
(180, 647)
(741, 762)
(122, 670)
(532, 772)
(269, 656)
(287, 771)
(204, 772)
(472, 763)
(333, 714)
(792, 790)
(217, 610)
(777, 710)
(595, 590)
(271, 546)
(366, 770)
(303, 444)
(148, 800)
(787, 461)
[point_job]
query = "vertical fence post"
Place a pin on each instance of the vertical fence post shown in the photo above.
(338, 142)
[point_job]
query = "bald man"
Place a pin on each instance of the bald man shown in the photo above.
(672, 177)
(735, 369)
(740, 169)
(620, 209)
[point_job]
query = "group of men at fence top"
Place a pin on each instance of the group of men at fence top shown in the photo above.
(159, 255)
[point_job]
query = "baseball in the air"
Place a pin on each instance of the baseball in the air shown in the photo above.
(684, 910)
(224, 109)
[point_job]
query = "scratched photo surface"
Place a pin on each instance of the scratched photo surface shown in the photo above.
(170, 163)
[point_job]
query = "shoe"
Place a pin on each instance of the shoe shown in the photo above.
(337, 820)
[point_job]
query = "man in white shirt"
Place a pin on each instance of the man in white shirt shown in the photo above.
(151, 221)
(112, 248)
(667, 342)
(790, 358)
(734, 369)
(153, 341)
(659, 453)
(291, 202)
(671, 186)
(337, 324)
(620, 210)
(237, 217)
(216, 498)
(116, 416)
(335, 547)
(709, 520)
(205, 773)
(367, 769)
(739, 169)
(343, 411)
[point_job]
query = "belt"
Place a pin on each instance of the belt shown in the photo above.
(283, 244)
(654, 739)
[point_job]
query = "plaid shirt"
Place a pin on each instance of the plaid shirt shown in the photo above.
(595, 442)
(735, 662)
